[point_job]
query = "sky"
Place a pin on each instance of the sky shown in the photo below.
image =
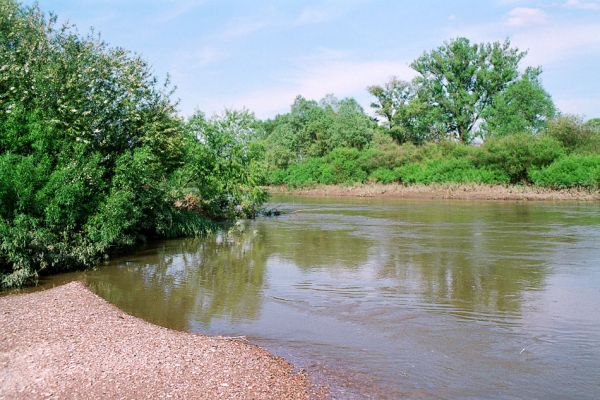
(262, 54)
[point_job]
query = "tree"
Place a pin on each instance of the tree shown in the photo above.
(351, 127)
(460, 79)
(313, 129)
(593, 124)
(524, 107)
(403, 112)
(390, 99)
(92, 152)
(226, 166)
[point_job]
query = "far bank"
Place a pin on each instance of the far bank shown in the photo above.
(443, 191)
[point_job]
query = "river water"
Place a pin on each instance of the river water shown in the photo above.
(392, 298)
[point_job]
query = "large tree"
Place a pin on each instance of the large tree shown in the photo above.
(461, 79)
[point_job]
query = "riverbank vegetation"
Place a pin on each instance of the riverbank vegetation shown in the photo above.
(94, 157)
(471, 115)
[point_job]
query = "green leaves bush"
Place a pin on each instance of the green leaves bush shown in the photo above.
(519, 153)
(569, 172)
(384, 175)
(451, 170)
(93, 157)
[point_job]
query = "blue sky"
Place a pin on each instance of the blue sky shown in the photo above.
(261, 54)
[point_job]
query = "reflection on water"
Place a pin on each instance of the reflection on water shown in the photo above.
(181, 283)
(393, 298)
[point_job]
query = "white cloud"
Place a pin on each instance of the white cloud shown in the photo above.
(545, 44)
(187, 63)
(524, 16)
(176, 9)
(583, 5)
(551, 44)
(343, 78)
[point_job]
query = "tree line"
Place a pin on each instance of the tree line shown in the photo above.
(472, 114)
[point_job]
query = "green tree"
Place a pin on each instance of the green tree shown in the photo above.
(390, 99)
(92, 152)
(404, 114)
(460, 79)
(523, 107)
(350, 126)
(225, 167)
(313, 129)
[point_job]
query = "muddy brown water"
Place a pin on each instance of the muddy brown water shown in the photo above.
(391, 298)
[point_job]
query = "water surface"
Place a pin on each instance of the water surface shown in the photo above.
(392, 299)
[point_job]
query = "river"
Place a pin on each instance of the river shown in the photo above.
(391, 298)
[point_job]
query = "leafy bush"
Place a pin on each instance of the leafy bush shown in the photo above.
(517, 154)
(570, 171)
(449, 170)
(344, 166)
(574, 134)
(309, 172)
(93, 157)
(384, 175)
(389, 155)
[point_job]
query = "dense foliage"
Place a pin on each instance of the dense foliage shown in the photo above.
(93, 157)
(542, 159)
(470, 115)
(463, 91)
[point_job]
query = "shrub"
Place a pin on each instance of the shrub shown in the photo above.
(345, 166)
(309, 172)
(93, 157)
(384, 175)
(570, 171)
(277, 177)
(389, 156)
(574, 134)
(449, 170)
(517, 154)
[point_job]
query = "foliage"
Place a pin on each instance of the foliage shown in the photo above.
(313, 129)
(384, 175)
(461, 79)
(574, 134)
(463, 89)
(225, 166)
(452, 170)
(524, 107)
(570, 171)
(344, 166)
(93, 157)
(517, 154)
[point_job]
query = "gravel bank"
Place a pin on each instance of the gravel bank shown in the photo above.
(67, 342)
(443, 191)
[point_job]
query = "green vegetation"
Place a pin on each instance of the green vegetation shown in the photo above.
(94, 158)
(469, 116)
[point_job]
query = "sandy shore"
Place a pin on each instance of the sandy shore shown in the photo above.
(443, 191)
(67, 342)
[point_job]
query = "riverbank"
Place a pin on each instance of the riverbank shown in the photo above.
(67, 342)
(442, 191)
